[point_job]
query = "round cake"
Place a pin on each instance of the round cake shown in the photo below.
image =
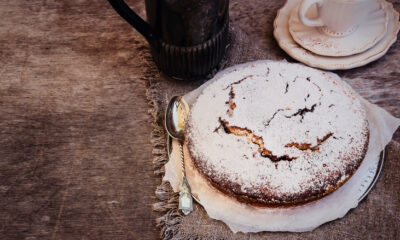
(277, 134)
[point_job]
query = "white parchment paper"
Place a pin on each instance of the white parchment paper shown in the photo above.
(245, 218)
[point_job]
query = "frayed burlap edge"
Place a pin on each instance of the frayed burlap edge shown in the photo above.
(168, 200)
(167, 204)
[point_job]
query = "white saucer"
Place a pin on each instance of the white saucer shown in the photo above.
(367, 34)
(286, 42)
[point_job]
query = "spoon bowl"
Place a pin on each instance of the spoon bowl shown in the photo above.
(175, 117)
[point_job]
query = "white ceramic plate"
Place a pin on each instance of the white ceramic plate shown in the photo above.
(374, 172)
(367, 34)
(286, 42)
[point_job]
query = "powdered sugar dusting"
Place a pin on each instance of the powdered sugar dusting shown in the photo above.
(297, 111)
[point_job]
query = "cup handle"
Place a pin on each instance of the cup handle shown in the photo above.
(304, 6)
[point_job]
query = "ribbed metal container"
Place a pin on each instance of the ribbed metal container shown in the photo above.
(191, 63)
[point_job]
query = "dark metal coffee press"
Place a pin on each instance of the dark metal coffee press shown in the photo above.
(187, 38)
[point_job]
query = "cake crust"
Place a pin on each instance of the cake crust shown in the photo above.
(277, 134)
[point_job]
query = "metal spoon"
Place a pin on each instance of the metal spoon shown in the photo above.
(175, 119)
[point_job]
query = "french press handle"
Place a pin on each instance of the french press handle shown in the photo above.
(136, 21)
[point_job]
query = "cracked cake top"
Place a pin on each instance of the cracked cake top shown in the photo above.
(276, 133)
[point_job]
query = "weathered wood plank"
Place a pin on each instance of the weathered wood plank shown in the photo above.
(75, 155)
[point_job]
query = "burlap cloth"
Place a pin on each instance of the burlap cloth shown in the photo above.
(377, 217)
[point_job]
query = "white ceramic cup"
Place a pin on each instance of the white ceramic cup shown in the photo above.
(336, 18)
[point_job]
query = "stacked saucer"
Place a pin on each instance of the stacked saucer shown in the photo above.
(321, 48)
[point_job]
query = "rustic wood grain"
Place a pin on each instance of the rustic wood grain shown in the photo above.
(75, 155)
(75, 152)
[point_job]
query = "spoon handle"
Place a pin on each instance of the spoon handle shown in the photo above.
(185, 195)
(182, 161)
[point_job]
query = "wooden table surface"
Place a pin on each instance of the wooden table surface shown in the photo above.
(75, 152)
